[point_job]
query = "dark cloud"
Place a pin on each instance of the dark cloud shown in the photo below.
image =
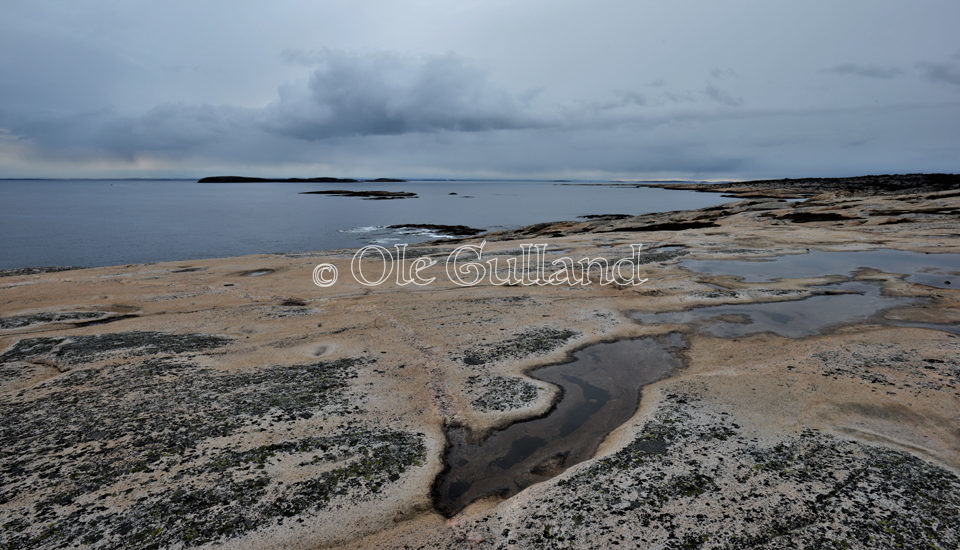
(944, 73)
(868, 71)
(721, 96)
(720, 74)
(619, 100)
(387, 94)
(344, 95)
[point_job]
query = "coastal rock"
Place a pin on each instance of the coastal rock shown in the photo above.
(806, 187)
(454, 230)
(368, 195)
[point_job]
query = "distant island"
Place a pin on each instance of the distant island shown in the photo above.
(367, 195)
(246, 179)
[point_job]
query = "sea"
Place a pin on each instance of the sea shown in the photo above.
(92, 223)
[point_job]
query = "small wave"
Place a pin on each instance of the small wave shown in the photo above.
(363, 229)
(386, 236)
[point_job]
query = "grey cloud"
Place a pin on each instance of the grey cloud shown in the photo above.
(720, 96)
(387, 94)
(719, 73)
(620, 100)
(345, 95)
(869, 71)
(301, 57)
(945, 73)
(107, 134)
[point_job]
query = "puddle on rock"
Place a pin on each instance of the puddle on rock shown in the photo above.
(863, 302)
(600, 392)
(256, 272)
(937, 270)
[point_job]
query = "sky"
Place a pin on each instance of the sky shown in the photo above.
(633, 89)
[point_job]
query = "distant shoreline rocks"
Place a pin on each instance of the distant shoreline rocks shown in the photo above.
(246, 179)
(366, 195)
(451, 230)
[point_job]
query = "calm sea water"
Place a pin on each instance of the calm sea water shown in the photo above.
(108, 222)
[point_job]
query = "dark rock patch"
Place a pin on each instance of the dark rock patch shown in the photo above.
(501, 393)
(452, 230)
(605, 216)
(22, 321)
(36, 270)
(369, 195)
(88, 348)
(528, 342)
(808, 217)
(669, 226)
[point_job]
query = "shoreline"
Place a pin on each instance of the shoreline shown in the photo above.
(404, 373)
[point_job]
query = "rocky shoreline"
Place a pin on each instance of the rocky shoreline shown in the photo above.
(185, 403)
(808, 187)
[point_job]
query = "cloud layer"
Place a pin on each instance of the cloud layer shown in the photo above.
(478, 88)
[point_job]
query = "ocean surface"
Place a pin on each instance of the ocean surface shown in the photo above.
(93, 223)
